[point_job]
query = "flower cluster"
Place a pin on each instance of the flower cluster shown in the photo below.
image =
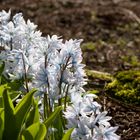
(49, 62)
(55, 68)
(89, 123)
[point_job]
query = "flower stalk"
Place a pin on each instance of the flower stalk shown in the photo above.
(25, 73)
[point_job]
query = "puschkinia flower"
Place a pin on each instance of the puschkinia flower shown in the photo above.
(32, 53)
(89, 123)
(4, 16)
(106, 133)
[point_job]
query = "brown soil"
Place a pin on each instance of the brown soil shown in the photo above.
(115, 30)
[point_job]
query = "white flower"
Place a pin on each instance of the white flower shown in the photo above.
(9, 31)
(106, 133)
(73, 112)
(30, 26)
(102, 119)
(43, 50)
(67, 77)
(91, 106)
(82, 131)
(41, 78)
(5, 16)
(54, 42)
(76, 97)
(19, 20)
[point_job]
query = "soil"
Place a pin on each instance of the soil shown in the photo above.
(114, 28)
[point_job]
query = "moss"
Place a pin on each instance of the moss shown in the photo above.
(126, 87)
(92, 74)
(121, 42)
(94, 91)
(97, 80)
(132, 60)
(128, 76)
(89, 46)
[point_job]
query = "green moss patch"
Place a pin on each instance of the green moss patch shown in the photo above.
(89, 46)
(92, 74)
(126, 87)
(97, 80)
(96, 92)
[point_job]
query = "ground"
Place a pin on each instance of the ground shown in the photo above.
(111, 34)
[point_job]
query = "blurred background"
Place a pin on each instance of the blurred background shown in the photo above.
(110, 30)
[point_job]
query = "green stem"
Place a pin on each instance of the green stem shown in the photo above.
(60, 82)
(50, 108)
(46, 99)
(25, 74)
(59, 100)
(11, 44)
(65, 101)
(46, 112)
(92, 133)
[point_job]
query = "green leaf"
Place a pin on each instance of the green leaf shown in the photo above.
(13, 95)
(52, 117)
(22, 109)
(2, 65)
(1, 122)
(33, 116)
(1, 102)
(59, 126)
(10, 131)
(67, 134)
(15, 85)
(42, 132)
(11, 87)
(36, 131)
(2, 88)
(3, 78)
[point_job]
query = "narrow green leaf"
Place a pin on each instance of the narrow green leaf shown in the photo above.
(1, 122)
(13, 95)
(11, 87)
(53, 116)
(22, 109)
(1, 102)
(33, 116)
(59, 126)
(10, 130)
(4, 79)
(2, 88)
(15, 85)
(2, 65)
(42, 132)
(36, 131)
(1, 111)
(67, 134)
